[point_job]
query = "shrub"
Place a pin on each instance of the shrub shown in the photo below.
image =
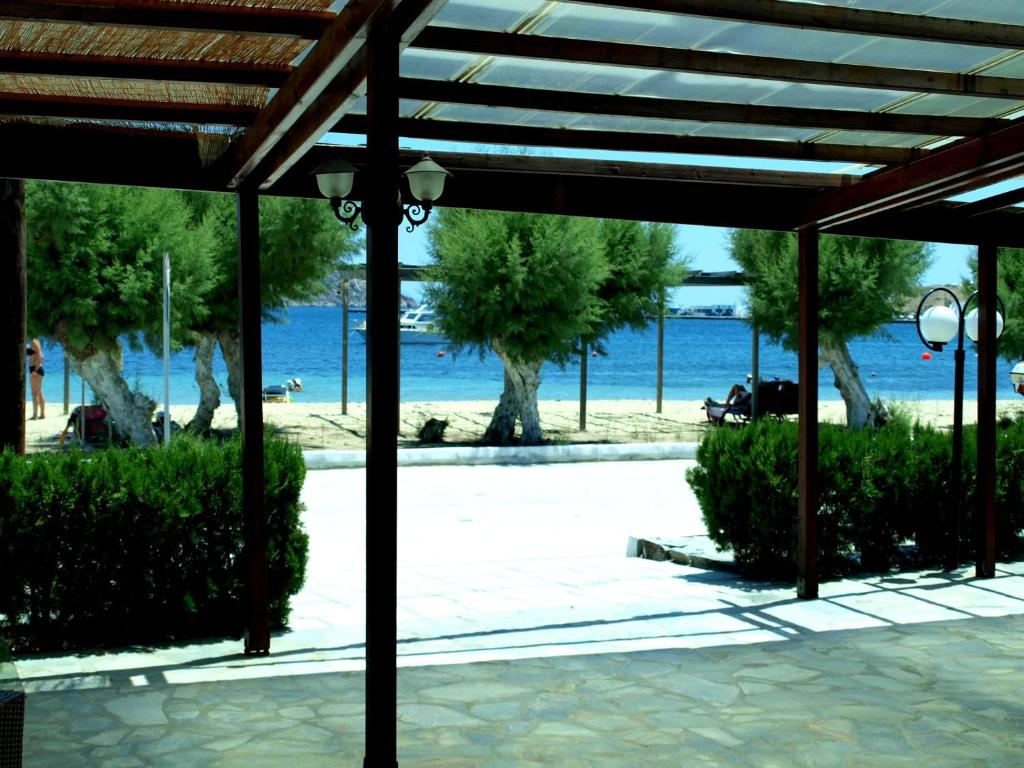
(140, 545)
(877, 489)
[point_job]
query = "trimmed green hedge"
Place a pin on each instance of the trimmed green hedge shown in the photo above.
(878, 489)
(140, 545)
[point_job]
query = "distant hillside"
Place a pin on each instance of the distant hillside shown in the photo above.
(330, 296)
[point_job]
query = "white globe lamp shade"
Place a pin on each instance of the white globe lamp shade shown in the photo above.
(426, 180)
(939, 324)
(1017, 377)
(971, 324)
(335, 177)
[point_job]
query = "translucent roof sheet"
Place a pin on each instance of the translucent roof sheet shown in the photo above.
(1004, 11)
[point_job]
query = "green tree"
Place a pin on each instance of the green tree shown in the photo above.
(863, 284)
(301, 243)
(1010, 287)
(529, 288)
(95, 257)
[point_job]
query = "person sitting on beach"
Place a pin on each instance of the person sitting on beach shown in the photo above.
(738, 396)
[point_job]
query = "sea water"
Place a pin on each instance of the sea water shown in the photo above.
(702, 358)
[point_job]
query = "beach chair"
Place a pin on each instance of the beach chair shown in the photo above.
(774, 398)
(97, 431)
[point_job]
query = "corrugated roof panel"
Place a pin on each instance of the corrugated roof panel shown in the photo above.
(958, 106)
(1004, 11)
(490, 15)
(434, 65)
(766, 132)
(830, 97)
(876, 139)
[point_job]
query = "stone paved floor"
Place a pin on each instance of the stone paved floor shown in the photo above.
(526, 638)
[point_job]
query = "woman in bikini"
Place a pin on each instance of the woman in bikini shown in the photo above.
(35, 375)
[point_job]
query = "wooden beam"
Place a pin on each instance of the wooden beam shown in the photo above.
(183, 16)
(132, 68)
(637, 141)
(406, 20)
(993, 203)
(341, 42)
(250, 422)
(835, 18)
(959, 168)
(12, 315)
(32, 105)
(713, 63)
(455, 162)
(697, 111)
(807, 460)
(102, 155)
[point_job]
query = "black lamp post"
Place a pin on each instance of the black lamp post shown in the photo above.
(937, 326)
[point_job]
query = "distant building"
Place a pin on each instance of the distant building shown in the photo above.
(710, 310)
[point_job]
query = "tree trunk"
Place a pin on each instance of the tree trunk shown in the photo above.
(231, 348)
(860, 411)
(131, 412)
(209, 392)
(519, 399)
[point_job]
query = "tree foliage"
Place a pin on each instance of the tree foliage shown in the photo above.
(95, 256)
(530, 288)
(1010, 287)
(863, 284)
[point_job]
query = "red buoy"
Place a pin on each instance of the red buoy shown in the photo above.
(926, 355)
(440, 353)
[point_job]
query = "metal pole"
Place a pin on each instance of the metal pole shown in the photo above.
(167, 348)
(956, 484)
(583, 386)
(67, 384)
(807, 461)
(344, 348)
(661, 347)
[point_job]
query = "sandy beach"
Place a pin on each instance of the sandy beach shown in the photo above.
(322, 425)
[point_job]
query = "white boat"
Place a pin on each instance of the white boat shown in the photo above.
(416, 325)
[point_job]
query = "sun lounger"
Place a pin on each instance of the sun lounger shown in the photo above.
(774, 398)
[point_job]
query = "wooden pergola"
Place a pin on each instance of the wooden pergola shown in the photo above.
(882, 118)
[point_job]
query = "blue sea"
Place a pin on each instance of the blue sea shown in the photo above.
(702, 358)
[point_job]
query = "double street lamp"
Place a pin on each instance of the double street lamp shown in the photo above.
(937, 326)
(335, 178)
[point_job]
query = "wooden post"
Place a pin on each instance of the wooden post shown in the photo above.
(807, 461)
(67, 383)
(12, 315)
(755, 369)
(257, 631)
(583, 386)
(344, 348)
(661, 348)
(985, 492)
(382, 351)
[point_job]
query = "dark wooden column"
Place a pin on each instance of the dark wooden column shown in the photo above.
(985, 492)
(807, 539)
(257, 633)
(382, 290)
(12, 315)
(583, 386)
(661, 350)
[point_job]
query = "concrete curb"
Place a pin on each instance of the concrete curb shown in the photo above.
(535, 454)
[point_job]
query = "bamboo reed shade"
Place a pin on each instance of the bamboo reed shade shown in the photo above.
(162, 45)
(134, 90)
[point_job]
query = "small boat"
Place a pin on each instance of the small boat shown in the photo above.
(416, 326)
